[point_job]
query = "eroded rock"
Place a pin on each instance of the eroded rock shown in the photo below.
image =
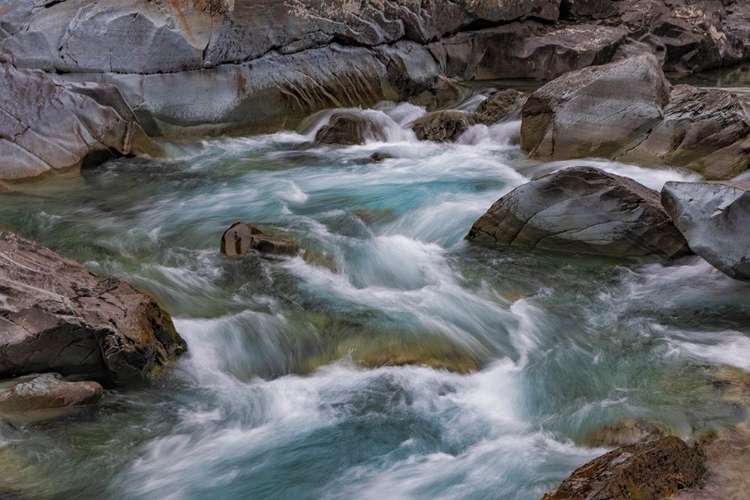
(714, 219)
(500, 106)
(654, 470)
(443, 126)
(240, 238)
(49, 391)
(582, 210)
(55, 316)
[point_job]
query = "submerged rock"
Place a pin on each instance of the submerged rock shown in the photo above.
(654, 470)
(500, 106)
(240, 238)
(443, 126)
(627, 432)
(56, 316)
(348, 129)
(49, 391)
(596, 111)
(49, 127)
(714, 220)
(582, 210)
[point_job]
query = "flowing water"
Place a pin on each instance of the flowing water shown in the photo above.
(287, 392)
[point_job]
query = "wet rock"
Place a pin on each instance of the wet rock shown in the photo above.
(500, 106)
(582, 210)
(349, 129)
(443, 126)
(704, 130)
(627, 432)
(56, 316)
(714, 220)
(653, 470)
(49, 127)
(240, 238)
(49, 391)
(596, 111)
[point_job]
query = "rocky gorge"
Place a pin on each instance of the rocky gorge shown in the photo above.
(376, 330)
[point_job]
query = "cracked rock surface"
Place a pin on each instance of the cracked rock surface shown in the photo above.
(582, 210)
(55, 316)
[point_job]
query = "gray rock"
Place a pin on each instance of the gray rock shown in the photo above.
(241, 238)
(443, 126)
(582, 210)
(500, 106)
(655, 470)
(48, 127)
(596, 111)
(714, 220)
(49, 391)
(55, 316)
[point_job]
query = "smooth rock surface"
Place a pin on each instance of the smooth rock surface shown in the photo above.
(443, 126)
(48, 391)
(48, 127)
(55, 316)
(714, 220)
(582, 210)
(654, 470)
(596, 111)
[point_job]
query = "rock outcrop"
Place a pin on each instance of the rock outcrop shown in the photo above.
(627, 111)
(46, 392)
(582, 210)
(654, 470)
(48, 127)
(443, 126)
(714, 220)
(55, 316)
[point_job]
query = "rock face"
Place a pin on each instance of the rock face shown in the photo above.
(655, 470)
(240, 238)
(596, 111)
(47, 392)
(714, 220)
(582, 210)
(55, 316)
(48, 127)
(443, 126)
(627, 111)
(500, 106)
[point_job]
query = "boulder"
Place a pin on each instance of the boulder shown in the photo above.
(704, 130)
(240, 238)
(55, 316)
(596, 111)
(627, 432)
(654, 470)
(500, 106)
(349, 129)
(443, 126)
(49, 127)
(49, 391)
(582, 210)
(714, 220)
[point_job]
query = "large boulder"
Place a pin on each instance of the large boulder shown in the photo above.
(595, 111)
(714, 219)
(49, 127)
(55, 316)
(655, 470)
(49, 391)
(582, 210)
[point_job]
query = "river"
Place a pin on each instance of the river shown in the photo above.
(285, 394)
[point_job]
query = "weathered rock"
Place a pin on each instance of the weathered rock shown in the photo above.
(654, 470)
(500, 106)
(627, 432)
(49, 391)
(240, 238)
(596, 111)
(714, 220)
(349, 129)
(704, 130)
(48, 127)
(55, 316)
(443, 126)
(582, 210)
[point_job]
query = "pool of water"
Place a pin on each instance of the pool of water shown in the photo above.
(289, 390)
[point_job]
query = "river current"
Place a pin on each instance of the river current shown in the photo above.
(292, 387)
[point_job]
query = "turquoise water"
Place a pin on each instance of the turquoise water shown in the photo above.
(281, 396)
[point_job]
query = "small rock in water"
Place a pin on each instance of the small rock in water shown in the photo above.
(653, 470)
(240, 238)
(349, 129)
(50, 391)
(443, 126)
(500, 106)
(627, 432)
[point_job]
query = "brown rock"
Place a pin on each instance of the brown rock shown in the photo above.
(46, 392)
(653, 470)
(627, 432)
(348, 129)
(500, 106)
(443, 126)
(57, 316)
(240, 238)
